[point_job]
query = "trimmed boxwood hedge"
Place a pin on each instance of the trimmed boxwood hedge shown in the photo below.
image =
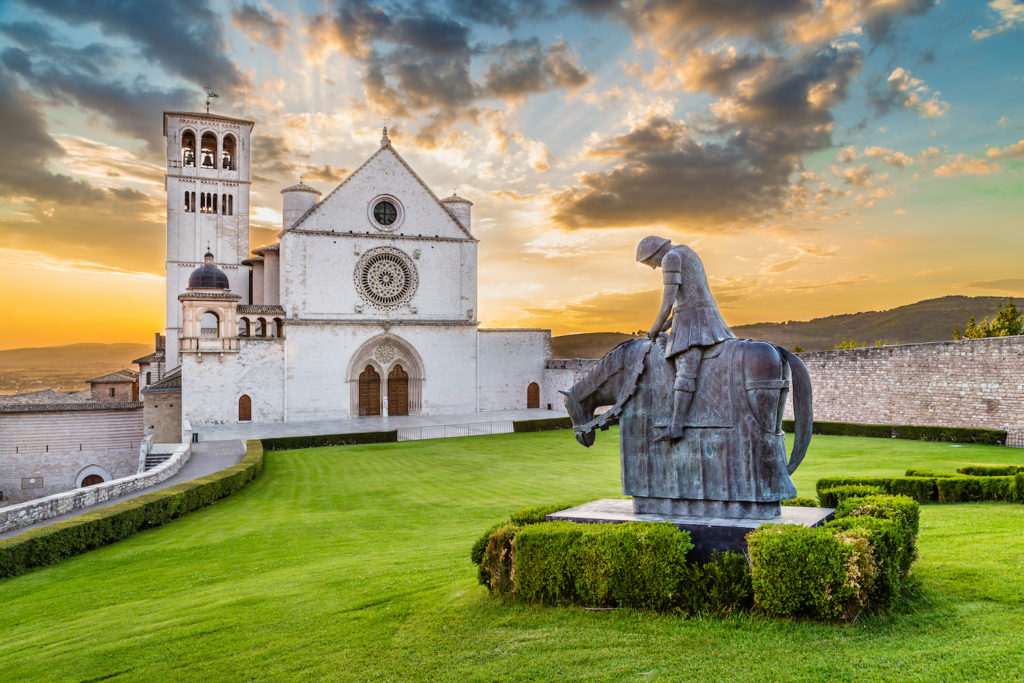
(858, 561)
(830, 498)
(287, 443)
(994, 437)
(52, 543)
(938, 488)
(989, 470)
(543, 425)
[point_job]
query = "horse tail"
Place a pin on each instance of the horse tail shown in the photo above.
(802, 413)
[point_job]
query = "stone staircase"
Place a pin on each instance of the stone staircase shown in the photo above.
(154, 459)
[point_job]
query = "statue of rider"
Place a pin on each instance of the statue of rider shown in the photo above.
(695, 321)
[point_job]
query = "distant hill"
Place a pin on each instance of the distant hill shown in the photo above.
(586, 345)
(929, 320)
(63, 367)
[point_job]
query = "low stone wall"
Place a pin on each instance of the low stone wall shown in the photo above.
(22, 515)
(963, 383)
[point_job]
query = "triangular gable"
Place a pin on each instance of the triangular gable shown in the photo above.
(304, 222)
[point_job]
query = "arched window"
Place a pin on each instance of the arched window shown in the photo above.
(186, 202)
(278, 327)
(188, 148)
(231, 205)
(149, 378)
(244, 408)
(92, 480)
(208, 151)
(227, 154)
(209, 325)
(214, 198)
(261, 327)
(193, 202)
(533, 395)
(223, 205)
(244, 328)
(202, 202)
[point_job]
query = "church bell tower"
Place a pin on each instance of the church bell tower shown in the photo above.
(207, 186)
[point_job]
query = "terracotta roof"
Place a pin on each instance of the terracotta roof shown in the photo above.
(47, 396)
(56, 407)
(262, 309)
(119, 376)
(300, 187)
(454, 198)
(354, 173)
(154, 357)
(170, 382)
(276, 246)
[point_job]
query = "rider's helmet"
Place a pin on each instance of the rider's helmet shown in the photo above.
(649, 246)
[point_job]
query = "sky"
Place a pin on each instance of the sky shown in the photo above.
(822, 156)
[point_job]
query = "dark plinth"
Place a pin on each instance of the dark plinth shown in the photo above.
(707, 533)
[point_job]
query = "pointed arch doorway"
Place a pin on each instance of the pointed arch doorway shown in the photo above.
(369, 392)
(398, 391)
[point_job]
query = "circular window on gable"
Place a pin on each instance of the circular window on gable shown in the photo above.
(386, 213)
(386, 277)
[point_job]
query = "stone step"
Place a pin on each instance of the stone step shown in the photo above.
(154, 459)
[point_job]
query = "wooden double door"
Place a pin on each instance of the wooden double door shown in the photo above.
(397, 391)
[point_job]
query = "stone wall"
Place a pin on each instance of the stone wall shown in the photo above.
(509, 361)
(18, 516)
(43, 448)
(966, 383)
(161, 414)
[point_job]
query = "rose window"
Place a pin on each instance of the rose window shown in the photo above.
(385, 277)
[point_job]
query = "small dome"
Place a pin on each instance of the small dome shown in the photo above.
(456, 199)
(208, 276)
(301, 187)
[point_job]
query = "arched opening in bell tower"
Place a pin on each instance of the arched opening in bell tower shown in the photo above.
(208, 151)
(227, 154)
(188, 148)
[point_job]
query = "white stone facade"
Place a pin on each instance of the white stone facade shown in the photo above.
(367, 305)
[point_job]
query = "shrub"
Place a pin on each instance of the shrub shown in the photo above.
(719, 586)
(902, 509)
(287, 443)
(636, 564)
(544, 425)
(922, 472)
(49, 544)
(812, 571)
(521, 517)
(889, 552)
(921, 489)
(1018, 485)
(916, 432)
(990, 470)
(801, 502)
(964, 489)
(829, 498)
(496, 570)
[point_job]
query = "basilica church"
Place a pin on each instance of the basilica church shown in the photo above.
(366, 305)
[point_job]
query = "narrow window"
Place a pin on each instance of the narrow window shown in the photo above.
(111, 392)
(193, 202)
(231, 205)
(149, 378)
(208, 150)
(202, 202)
(186, 202)
(188, 148)
(223, 204)
(214, 202)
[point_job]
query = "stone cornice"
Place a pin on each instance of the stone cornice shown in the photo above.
(377, 322)
(382, 237)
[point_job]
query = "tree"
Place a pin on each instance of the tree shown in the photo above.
(849, 344)
(798, 349)
(1006, 322)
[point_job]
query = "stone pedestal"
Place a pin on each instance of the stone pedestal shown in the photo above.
(707, 533)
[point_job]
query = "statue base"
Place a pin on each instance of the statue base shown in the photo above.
(707, 533)
(731, 509)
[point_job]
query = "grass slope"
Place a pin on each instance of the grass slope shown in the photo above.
(586, 344)
(352, 563)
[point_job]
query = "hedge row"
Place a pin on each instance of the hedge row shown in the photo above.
(544, 425)
(939, 488)
(52, 543)
(287, 443)
(995, 437)
(989, 470)
(859, 560)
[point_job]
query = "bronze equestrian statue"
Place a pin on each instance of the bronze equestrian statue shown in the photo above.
(700, 410)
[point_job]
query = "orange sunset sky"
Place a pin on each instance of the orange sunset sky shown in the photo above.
(822, 156)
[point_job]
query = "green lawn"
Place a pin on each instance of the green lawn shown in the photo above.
(352, 563)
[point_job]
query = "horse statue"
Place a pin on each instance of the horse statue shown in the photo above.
(731, 460)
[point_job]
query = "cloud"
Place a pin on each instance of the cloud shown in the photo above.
(519, 68)
(901, 89)
(1008, 14)
(184, 37)
(856, 176)
(847, 154)
(1008, 152)
(665, 175)
(29, 148)
(501, 12)
(264, 25)
(833, 18)
(888, 156)
(962, 164)
(1009, 285)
